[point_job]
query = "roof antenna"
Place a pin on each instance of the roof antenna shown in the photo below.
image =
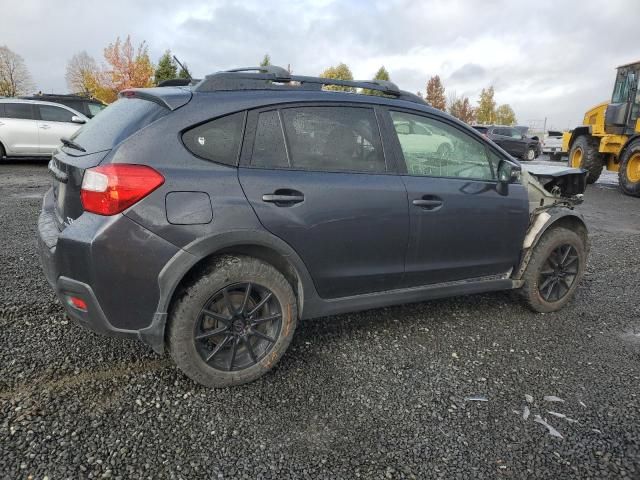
(183, 67)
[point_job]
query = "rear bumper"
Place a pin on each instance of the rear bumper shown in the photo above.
(111, 264)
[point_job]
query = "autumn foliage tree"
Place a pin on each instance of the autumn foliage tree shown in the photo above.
(339, 72)
(435, 93)
(128, 67)
(486, 111)
(82, 73)
(505, 115)
(14, 76)
(460, 107)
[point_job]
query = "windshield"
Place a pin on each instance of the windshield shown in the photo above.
(625, 82)
(95, 108)
(117, 122)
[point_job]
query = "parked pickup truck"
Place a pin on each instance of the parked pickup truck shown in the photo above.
(552, 145)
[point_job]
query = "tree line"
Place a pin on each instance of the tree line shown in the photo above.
(126, 66)
(486, 112)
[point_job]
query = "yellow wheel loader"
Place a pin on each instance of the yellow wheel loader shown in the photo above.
(610, 134)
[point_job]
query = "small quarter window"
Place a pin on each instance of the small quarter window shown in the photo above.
(217, 140)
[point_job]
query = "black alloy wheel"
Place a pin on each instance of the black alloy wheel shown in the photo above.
(558, 273)
(238, 326)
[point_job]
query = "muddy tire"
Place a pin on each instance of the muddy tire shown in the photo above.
(233, 323)
(556, 267)
(584, 154)
(629, 173)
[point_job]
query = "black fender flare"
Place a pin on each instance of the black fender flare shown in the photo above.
(578, 132)
(544, 220)
(182, 262)
(631, 139)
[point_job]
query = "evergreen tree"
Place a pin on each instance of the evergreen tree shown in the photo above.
(381, 74)
(166, 69)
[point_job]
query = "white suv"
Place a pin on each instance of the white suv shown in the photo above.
(31, 128)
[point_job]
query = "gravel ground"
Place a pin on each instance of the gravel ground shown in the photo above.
(377, 394)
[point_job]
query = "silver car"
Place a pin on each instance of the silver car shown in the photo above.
(31, 128)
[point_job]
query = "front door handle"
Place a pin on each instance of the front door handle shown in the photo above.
(283, 197)
(45, 127)
(427, 203)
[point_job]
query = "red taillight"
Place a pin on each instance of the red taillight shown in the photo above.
(113, 188)
(78, 303)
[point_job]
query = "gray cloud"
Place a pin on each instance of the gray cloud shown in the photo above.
(548, 59)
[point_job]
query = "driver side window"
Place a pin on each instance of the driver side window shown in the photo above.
(444, 152)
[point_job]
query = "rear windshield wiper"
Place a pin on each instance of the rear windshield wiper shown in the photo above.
(71, 144)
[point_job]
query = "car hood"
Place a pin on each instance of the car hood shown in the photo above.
(550, 185)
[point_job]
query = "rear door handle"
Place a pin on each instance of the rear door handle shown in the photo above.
(283, 199)
(45, 127)
(428, 203)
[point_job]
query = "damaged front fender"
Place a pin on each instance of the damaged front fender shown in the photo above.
(553, 194)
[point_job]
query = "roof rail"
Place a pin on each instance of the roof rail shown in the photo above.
(272, 77)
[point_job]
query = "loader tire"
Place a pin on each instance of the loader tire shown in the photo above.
(584, 154)
(629, 173)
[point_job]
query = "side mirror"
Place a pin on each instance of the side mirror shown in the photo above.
(508, 172)
(77, 119)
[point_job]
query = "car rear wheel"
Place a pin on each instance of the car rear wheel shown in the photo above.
(584, 154)
(629, 173)
(529, 154)
(555, 270)
(234, 323)
(555, 157)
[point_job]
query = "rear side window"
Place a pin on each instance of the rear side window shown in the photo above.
(54, 114)
(481, 129)
(117, 122)
(18, 110)
(217, 140)
(334, 139)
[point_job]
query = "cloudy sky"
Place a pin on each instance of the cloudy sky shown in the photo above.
(546, 58)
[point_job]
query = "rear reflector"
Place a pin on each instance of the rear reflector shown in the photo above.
(78, 303)
(111, 189)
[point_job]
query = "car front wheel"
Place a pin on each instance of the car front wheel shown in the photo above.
(232, 324)
(555, 270)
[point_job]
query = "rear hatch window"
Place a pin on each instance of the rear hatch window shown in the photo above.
(115, 123)
(90, 145)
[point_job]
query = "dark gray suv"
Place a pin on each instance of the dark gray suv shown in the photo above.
(210, 219)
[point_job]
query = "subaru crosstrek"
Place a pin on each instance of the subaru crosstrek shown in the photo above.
(210, 219)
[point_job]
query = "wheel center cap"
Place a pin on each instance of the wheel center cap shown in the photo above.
(238, 326)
